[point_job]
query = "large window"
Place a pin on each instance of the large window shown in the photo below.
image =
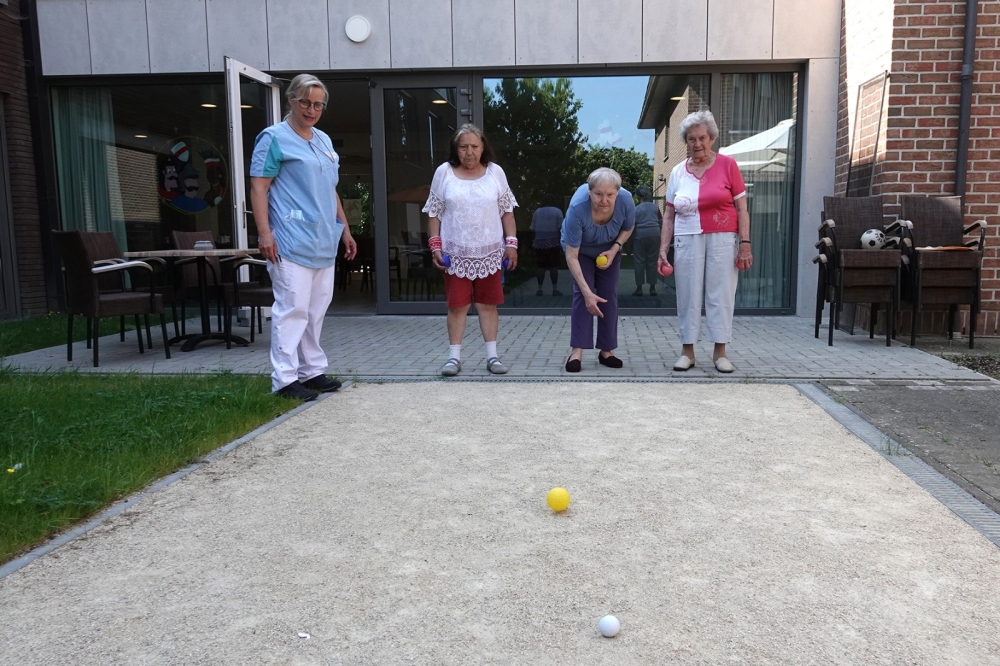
(142, 161)
(549, 133)
(757, 129)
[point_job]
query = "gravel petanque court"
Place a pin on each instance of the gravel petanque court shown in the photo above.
(406, 523)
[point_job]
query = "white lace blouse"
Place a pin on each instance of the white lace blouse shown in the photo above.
(470, 212)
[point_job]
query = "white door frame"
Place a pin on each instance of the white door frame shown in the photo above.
(234, 70)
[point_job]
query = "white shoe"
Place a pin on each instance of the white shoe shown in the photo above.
(684, 363)
(722, 364)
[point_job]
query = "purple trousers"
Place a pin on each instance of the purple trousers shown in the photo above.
(604, 283)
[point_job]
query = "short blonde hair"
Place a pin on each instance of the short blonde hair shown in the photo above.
(299, 89)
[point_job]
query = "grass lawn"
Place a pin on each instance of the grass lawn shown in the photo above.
(24, 335)
(71, 444)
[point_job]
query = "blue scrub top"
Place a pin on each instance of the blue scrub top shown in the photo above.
(302, 201)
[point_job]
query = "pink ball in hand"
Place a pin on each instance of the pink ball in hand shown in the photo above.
(666, 270)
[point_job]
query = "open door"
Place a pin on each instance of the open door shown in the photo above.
(253, 102)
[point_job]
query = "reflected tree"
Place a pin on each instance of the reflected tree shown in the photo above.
(634, 167)
(532, 125)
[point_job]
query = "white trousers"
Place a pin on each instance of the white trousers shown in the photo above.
(301, 298)
(705, 268)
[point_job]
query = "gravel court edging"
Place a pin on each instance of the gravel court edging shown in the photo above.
(156, 486)
(952, 496)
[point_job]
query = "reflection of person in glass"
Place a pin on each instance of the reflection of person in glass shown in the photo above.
(547, 223)
(293, 190)
(599, 220)
(646, 243)
(707, 218)
(471, 221)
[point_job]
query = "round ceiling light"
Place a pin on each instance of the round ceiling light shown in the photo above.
(358, 29)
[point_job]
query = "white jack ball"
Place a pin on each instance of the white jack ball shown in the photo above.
(609, 626)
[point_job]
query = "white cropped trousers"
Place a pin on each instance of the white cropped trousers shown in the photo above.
(705, 269)
(301, 298)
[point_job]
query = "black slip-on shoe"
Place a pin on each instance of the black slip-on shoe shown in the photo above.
(296, 391)
(610, 361)
(573, 365)
(322, 383)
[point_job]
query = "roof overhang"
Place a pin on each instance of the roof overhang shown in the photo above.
(657, 105)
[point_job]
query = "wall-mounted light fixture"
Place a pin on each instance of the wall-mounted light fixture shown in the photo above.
(358, 28)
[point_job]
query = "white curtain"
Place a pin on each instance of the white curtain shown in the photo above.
(757, 128)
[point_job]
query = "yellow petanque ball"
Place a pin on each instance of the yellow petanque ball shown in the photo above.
(558, 499)
(602, 260)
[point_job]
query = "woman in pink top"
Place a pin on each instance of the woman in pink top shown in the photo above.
(706, 217)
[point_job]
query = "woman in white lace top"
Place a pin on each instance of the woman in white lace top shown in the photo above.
(472, 232)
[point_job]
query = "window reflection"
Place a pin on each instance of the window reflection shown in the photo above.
(550, 133)
(142, 161)
(757, 129)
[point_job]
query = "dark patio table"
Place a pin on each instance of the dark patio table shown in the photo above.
(192, 340)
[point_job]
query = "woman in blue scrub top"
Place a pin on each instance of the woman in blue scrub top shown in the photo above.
(293, 192)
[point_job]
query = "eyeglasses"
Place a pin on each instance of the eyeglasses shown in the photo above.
(305, 105)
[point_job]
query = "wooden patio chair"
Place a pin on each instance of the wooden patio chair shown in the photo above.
(944, 268)
(850, 274)
(85, 268)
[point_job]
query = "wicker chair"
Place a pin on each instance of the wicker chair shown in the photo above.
(850, 274)
(938, 277)
(254, 295)
(105, 250)
(85, 269)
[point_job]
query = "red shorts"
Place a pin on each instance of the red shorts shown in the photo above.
(462, 291)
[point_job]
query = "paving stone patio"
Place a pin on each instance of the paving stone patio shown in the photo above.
(535, 348)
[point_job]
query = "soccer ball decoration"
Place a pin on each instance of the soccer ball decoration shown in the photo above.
(873, 239)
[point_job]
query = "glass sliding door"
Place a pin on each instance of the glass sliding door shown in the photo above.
(417, 123)
(550, 133)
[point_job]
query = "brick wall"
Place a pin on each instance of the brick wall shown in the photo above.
(24, 194)
(920, 127)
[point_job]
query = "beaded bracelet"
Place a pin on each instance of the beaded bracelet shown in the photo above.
(434, 243)
(511, 241)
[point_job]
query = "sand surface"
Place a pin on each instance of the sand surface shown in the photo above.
(406, 523)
